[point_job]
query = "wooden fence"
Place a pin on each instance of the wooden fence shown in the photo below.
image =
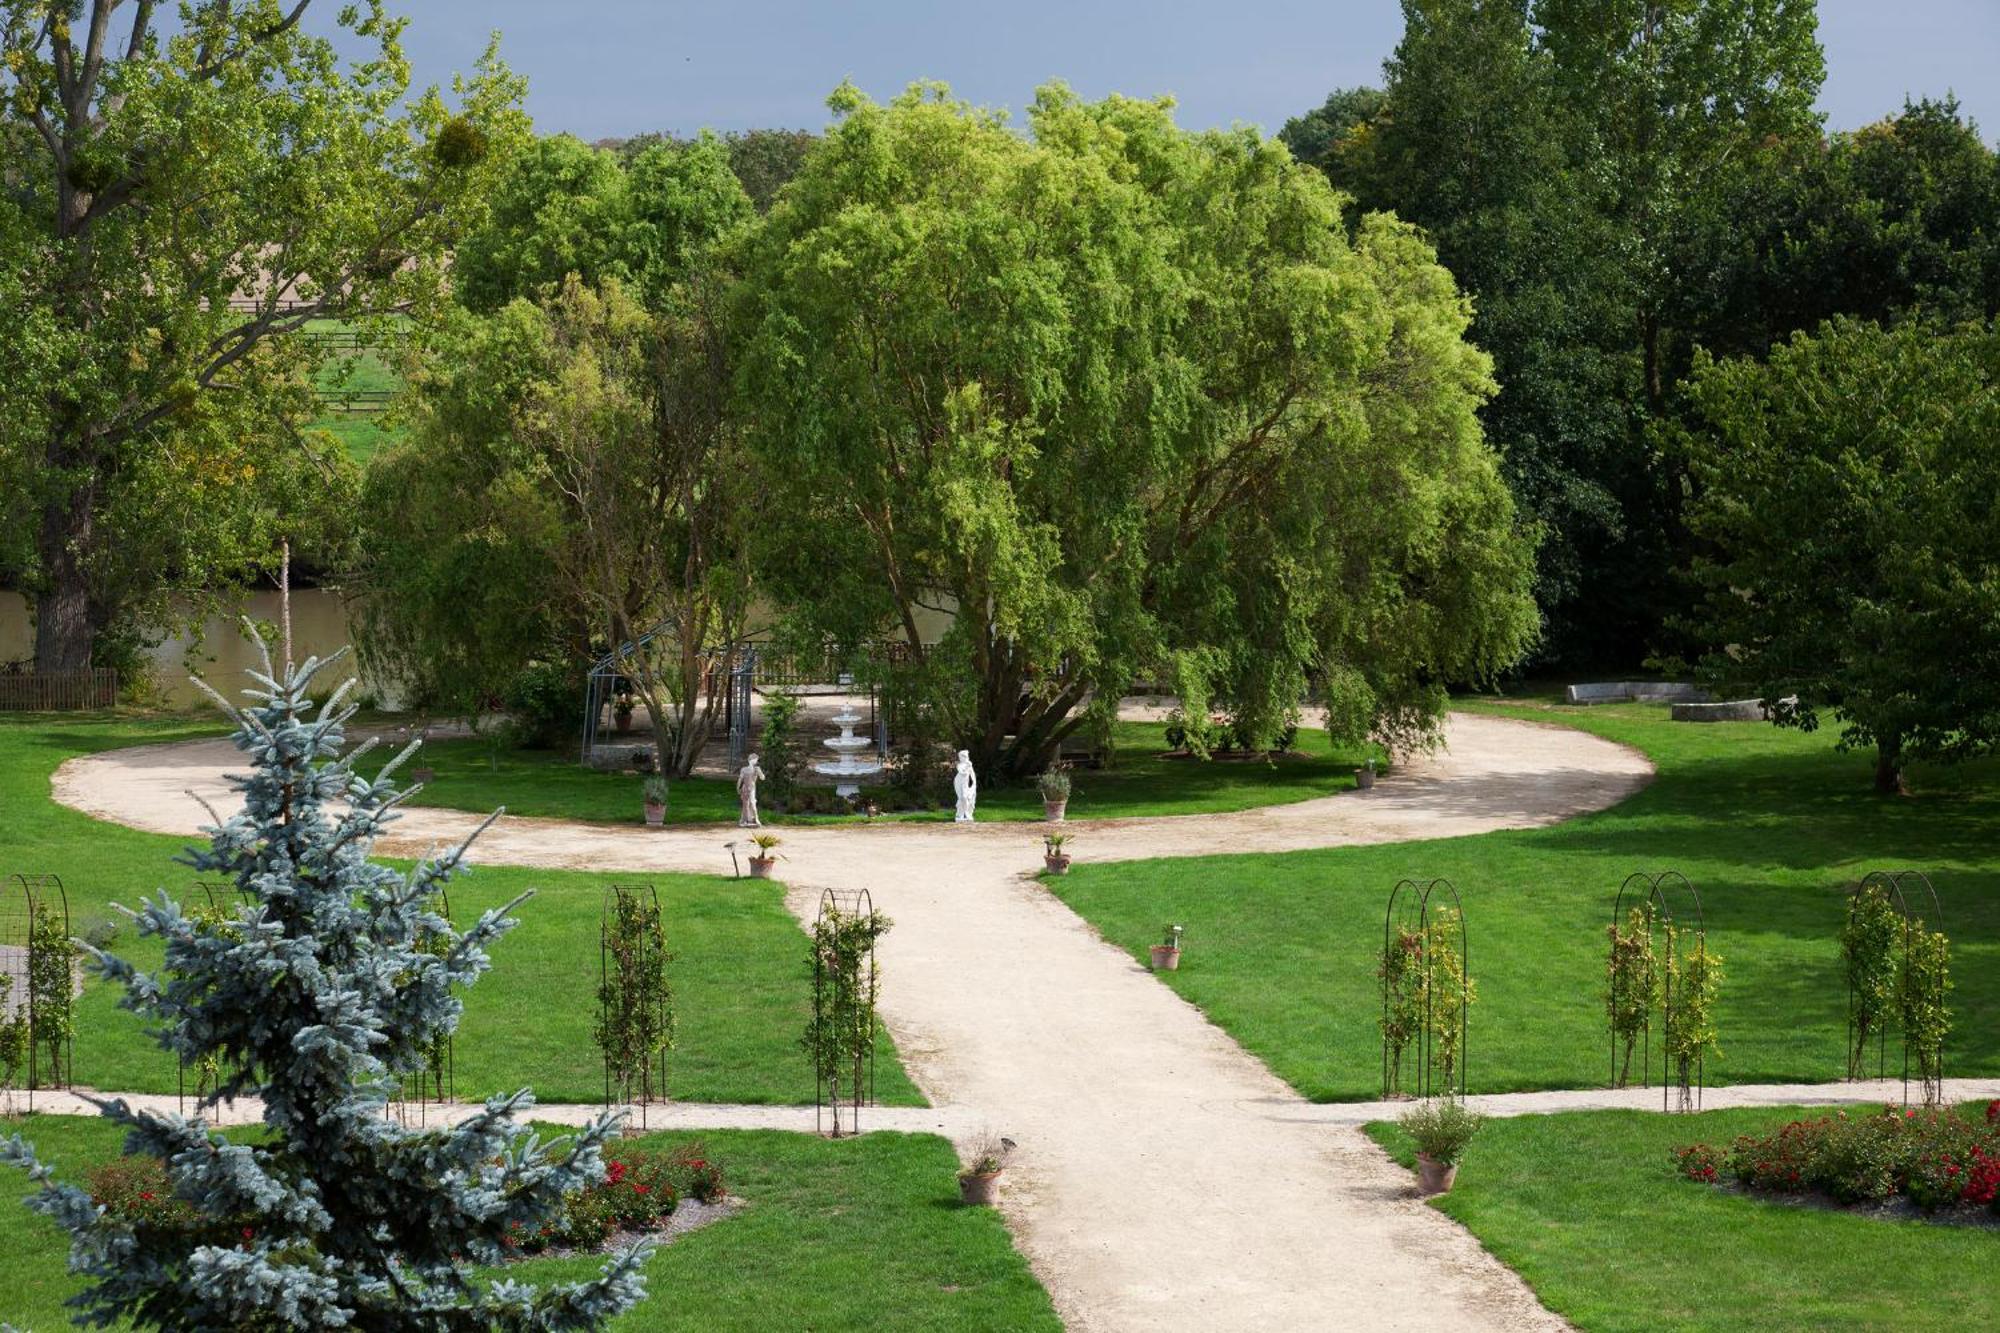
(56, 691)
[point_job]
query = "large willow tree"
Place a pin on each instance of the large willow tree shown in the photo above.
(1123, 397)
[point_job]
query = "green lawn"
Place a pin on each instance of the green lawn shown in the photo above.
(1771, 826)
(362, 434)
(740, 971)
(1140, 781)
(1586, 1208)
(848, 1234)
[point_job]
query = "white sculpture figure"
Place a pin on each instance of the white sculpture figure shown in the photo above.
(965, 784)
(746, 794)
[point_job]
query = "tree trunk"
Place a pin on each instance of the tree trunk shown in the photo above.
(1889, 765)
(62, 602)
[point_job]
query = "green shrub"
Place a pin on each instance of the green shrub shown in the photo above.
(1441, 1128)
(546, 698)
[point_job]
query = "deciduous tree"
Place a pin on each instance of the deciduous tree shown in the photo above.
(181, 197)
(1849, 495)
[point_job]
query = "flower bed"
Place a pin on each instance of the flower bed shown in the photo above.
(1931, 1158)
(640, 1191)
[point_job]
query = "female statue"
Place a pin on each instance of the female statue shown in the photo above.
(965, 785)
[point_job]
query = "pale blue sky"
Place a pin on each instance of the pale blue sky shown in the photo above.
(620, 67)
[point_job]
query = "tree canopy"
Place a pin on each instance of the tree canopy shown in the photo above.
(1848, 492)
(181, 197)
(1121, 396)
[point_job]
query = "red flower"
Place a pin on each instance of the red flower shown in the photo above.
(639, 1189)
(248, 1233)
(147, 1195)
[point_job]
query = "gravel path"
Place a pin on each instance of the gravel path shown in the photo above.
(1165, 1179)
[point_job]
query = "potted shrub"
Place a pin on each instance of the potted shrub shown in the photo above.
(764, 858)
(655, 789)
(422, 776)
(1055, 794)
(979, 1182)
(621, 714)
(1167, 953)
(1364, 776)
(1440, 1128)
(1053, 855)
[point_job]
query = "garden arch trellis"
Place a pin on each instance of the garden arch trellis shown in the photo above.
(844, 999)
(634, 1012)
(1656, 892)
(440, 1076)
(602, 680)
(1892, 883)
(215, 898)
(23, 898)
(1417, 909)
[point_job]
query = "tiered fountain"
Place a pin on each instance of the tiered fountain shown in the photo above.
(849, 768)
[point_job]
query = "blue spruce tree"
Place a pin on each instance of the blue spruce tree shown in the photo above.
(317, 998)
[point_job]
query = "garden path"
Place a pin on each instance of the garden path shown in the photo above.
(1165, 1178)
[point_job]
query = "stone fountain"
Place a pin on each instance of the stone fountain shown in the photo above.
(849, 768)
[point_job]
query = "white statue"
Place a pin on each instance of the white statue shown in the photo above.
(746, 794)
(965, 784)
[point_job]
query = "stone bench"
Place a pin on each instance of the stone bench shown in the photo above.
(1639, 691)
(1732, 710)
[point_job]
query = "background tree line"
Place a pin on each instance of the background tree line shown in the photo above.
(1619, 185)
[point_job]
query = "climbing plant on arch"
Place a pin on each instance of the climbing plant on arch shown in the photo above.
(1680, 982)
(1897, 967)
(840, 1035)
(1427, 990)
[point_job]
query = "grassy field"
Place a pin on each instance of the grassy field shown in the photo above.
(740, 970)
(1586, 1208)
(858, 1233)
(1139, 781)
(1771, 826)
(356, 422)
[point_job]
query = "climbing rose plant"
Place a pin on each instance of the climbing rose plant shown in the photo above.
(635, 1003)
(1926, 1017)
(1632, 985)
(318, 998)
(1402, 977)
(1695, 977)
(1450, 993)
(1868, 942)
(840, 1035)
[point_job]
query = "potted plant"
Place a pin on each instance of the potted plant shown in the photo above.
(1053, 855)
(621, 713)
(764, 858)
(1364, 777)
(1167, 953)
(1055, 793)
(422, 775)
(1440, 1128)
(655, 788)
(979, 1182)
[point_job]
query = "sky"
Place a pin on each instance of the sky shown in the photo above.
(611, 68)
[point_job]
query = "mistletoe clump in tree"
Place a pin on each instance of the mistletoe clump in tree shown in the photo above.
(317, 997)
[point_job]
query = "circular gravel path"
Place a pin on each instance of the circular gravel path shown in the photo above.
(1165, 1178)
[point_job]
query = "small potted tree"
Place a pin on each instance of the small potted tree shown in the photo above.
(1167, 953)
(621, 714)
(1055, 793)
(1364, 776)
(979, 1182)
(1441, 1129)
(655, 788)
(1053, 855)
(764, 858)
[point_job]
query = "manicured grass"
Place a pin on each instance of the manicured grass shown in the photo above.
(1586, 1208)
(1139, 781)
(858, 1233)
(362, 434)
(1771, 826)
(740, 971)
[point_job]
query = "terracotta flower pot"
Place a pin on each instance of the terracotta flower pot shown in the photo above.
(623, 722)
(1052, 811)
(1434, 1177)
(979, 1190)
(760, 866)
(423, 775)
(656, 814)
(1058, 865)
(1166, 958)
(1364, 778)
